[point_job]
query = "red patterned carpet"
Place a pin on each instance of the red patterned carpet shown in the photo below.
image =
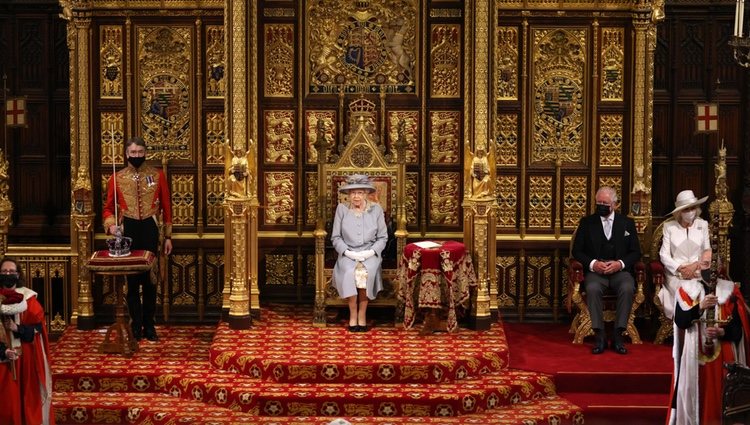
(285, 371)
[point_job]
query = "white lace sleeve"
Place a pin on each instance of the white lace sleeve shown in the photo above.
(11, 309)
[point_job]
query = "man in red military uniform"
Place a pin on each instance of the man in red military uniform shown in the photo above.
(31, 380)
(142, 195)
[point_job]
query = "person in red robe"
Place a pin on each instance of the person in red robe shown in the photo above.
(710, 330)
(11, 304)
(33, 373)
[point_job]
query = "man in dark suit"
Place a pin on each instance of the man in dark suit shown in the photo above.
(606, 244)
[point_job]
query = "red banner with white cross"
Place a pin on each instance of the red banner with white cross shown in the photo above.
(706, 117)
(15, 112)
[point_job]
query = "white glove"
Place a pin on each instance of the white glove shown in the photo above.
(352, 255)
(367, 254)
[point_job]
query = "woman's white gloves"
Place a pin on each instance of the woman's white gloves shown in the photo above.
(359, 256)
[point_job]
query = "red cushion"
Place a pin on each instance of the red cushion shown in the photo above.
(138, 260)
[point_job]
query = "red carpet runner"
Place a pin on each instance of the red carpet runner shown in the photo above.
(285, 371)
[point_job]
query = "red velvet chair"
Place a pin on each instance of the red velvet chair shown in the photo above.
(657, 278)
(581, 325)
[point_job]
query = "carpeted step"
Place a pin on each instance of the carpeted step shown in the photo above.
(621, 408)
(199, 382)
(299, 352)
(305, 353)
(614, 382)
(361, 399)
(128, 408)
(146, 408)
(618, 398)
(441, 374)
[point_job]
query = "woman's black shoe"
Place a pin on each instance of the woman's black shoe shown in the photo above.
(362, 328)
(353, 328)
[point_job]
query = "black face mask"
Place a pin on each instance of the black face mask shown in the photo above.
(8, 280)
(602, 210)
(136, 161)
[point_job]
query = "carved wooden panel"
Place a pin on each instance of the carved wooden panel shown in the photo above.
(444, 198)
(216, 81)
(279, 197)
(445, 56)
(507, 199)
(613, 64)
(354, 48)
(445, 137)
(215, 138)
(508, 276)
(610, 140)
(506, 63)
(111, 62)
(539, 284)
(112, 136)
(279, 137)
(312, 119)
(411, 132)
(559, 66)
(165, 66)
(214, 187)
(278, 60)
(506, 139)
(575, 202)
(183, 199)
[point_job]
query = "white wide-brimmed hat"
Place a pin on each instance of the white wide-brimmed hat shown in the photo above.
(686, 199)
(357, 181)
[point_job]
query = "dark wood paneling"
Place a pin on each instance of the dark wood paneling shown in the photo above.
(35, 58)
(694, 63)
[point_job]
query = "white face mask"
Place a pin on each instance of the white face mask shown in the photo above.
(689, 216)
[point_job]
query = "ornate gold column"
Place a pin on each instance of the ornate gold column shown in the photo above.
(645, 17)
(479, 209)
(241, 246)
(319, 318)
(82, 213)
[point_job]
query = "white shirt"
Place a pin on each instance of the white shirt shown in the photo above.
(608, 234)
(607, 224)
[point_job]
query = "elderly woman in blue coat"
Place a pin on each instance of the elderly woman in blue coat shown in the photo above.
(359, 236)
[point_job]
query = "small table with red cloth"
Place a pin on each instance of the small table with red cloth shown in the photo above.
(422, 271)
(102, 263)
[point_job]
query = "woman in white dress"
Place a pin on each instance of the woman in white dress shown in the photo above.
(685, 247)
(359, 236)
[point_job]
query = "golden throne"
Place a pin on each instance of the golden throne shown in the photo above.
(361, 153)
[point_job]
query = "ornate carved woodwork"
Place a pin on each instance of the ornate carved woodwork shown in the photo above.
(565, 96)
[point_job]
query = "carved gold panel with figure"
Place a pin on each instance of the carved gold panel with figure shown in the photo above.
(355, 48)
